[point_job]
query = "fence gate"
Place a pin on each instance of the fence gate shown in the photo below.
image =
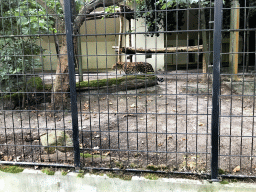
(140, 86)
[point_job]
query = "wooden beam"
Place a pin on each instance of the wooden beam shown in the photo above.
(132, 50)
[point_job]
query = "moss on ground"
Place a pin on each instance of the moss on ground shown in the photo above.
(112, 81)
(36, 82)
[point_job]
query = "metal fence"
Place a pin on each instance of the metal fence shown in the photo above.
(155, 86)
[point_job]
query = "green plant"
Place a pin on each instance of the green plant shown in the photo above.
(125, 177)
(224, 182)
(80, 174)
(11, 169)
(152, 167)
(35, 83)
(151, 176)
(48, 171)
(121, 175)
(16, 61)
(85, 155)
(64, 173)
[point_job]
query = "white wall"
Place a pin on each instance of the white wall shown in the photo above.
(146, 42)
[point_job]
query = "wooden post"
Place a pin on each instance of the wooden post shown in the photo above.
(130, 37)
(205, 61)
(79, 58)
(120, 37)
(234, 38)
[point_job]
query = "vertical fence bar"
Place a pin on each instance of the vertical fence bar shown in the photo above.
(216, 87)
(72, 81)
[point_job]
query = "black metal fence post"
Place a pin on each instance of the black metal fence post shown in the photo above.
(72, 81)
(216, 87)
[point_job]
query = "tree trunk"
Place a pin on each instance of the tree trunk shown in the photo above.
(61, 84)
(205, 47)
(234, 39)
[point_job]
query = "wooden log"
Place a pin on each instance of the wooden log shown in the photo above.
(132, 50)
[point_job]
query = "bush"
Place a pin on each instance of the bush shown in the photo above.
(35, 84)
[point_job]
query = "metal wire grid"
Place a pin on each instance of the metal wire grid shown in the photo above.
(163, 126)
(125, 137)
(236, 134)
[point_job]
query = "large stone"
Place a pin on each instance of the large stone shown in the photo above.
(56, 138)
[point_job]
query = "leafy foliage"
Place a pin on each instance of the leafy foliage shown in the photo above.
(156, 14)
(19, 52)
(17, 57)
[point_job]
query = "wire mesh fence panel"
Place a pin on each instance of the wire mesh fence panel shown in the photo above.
(35, 112)
(237, 99)
(144, 100)
(127, 85)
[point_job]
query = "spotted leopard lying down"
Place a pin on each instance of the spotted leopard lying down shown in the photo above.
(134, 67)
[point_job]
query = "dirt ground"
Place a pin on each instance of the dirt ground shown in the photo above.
(168, 124)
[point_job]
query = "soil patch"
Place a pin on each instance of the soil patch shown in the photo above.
(168, 124)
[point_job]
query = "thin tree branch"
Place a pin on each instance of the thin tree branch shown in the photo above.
(89, 7)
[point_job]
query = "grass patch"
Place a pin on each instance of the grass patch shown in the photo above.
(112, 175)
(64, 173)
(11, 169)
(152, 167)
(224, 182)
(48, 171)
(112, 81)
(151, 176)
(80, 174)
(120, 176)
(119, 164)
(125, 177)
(96, 172)
(155, 168)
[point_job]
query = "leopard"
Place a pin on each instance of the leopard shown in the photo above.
(133, 67)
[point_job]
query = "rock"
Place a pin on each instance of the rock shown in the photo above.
(57, 138)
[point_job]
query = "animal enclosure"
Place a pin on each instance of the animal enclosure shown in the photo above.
(183, 101)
